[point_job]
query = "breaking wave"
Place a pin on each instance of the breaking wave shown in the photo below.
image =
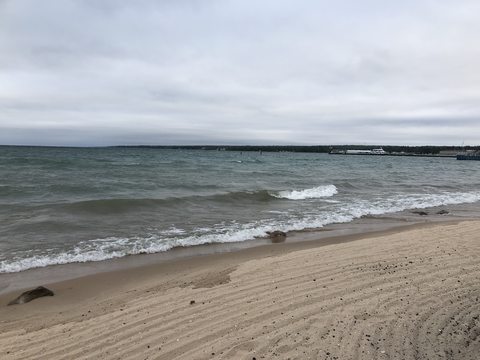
(119, 205)
(313, 193)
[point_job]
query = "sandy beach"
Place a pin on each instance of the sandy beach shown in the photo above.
(409, 294)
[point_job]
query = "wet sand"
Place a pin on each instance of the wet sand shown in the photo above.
(403, 294)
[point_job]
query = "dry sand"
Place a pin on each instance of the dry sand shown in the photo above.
(414, 294)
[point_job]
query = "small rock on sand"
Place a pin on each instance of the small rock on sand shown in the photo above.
(277, 236)
(276, 233)
(30, 295)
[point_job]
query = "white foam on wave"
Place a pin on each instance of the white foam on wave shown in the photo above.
(313, 193)
(402, 202)
(172, 231)
(109, 248)
(93, 250)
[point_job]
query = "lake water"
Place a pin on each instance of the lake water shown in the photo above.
(63, 205)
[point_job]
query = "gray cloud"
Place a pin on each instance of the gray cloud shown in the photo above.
(273, 72)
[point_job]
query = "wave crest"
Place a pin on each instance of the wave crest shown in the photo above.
(313, 193)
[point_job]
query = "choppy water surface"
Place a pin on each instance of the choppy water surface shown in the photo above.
(61, 205)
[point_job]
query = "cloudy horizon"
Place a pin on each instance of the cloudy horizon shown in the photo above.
(97, 73)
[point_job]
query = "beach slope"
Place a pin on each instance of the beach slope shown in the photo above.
(414, 294)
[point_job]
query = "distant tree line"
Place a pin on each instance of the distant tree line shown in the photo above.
(424, 150)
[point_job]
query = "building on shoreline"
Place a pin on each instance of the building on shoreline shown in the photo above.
(469, 155)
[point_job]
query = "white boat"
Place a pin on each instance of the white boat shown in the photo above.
(378, 151)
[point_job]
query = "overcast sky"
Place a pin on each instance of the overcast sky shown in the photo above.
(104, 72)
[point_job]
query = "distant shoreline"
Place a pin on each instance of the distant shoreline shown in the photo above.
(391, 150)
